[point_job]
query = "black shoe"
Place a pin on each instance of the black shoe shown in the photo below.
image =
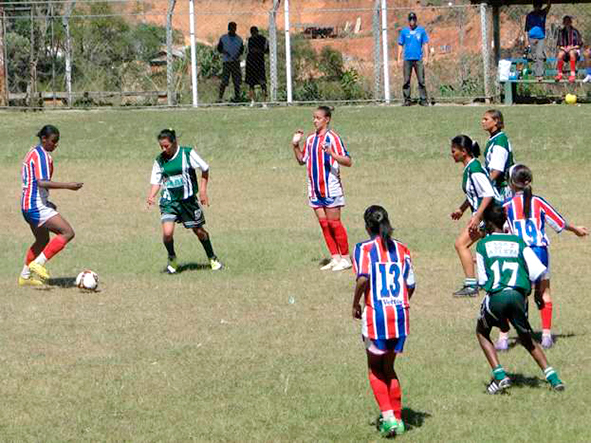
(467, 291)
(498, 387)
(406, 103)
(424, 103)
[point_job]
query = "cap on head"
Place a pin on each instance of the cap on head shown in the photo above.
(412, 16)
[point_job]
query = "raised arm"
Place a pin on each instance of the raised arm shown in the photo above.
(295, 144)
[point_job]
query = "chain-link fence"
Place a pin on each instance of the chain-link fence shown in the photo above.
(138, 52)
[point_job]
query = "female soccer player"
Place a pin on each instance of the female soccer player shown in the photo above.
(385, 280)
(506, 266)
(323, 153)
(527, 217)
(479, 195)
(498, 154)
(39, 212)
(174, 172)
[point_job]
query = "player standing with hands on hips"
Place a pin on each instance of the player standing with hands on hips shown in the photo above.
(174, 172)
(39, 212)
(323, 154)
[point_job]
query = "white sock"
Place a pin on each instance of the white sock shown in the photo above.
(503, 335)
(41, 259)
(388, 415)
(25, 273)
(336, 258)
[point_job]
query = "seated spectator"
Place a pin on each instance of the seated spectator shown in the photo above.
(569, 44)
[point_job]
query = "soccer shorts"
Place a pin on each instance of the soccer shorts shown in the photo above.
(188, 212)
(577, 56)
(504, 307)
(381, 347)
(38, 216)
(326, 202)
(544, 256)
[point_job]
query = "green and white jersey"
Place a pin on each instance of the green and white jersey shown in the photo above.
(476, 184)
(177, 175)
(504, 261)
(498, 156)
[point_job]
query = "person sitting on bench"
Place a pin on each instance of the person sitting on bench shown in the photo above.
(569, 44)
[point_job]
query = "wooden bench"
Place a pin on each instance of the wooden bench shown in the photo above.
(510, 86)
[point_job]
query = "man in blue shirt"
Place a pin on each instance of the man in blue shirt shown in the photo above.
(411, 40)
(231, 47)
(535, 26)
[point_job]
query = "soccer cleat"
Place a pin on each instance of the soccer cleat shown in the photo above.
(215, 264)
(331, 264)
(40, 270)
(172, 265)
(571, 78)
(467, 291)
(22, 281)
(388, 428)
(547, 341)
(587, 79)
(502, 345)
(498, 387)
(558, 77)
(558, 385)
(345, 263)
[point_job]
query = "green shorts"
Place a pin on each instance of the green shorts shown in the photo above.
(188, 212)
(504, 307)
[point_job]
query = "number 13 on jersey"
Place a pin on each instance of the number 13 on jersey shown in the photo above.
(388, 283)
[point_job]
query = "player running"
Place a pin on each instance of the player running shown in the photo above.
(39, 212)
(323, 154)
(479, 195)
(174, 172)
(385, 280)
(498, 153)
(527, 217)
(506, 266)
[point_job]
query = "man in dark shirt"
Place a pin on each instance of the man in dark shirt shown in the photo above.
(569, 44)
(231, 48)
(257, 47)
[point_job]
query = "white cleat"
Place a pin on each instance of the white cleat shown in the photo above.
(330, 265)
(345, 263)
(587, 79)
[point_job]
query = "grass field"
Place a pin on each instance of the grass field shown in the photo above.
(266, 350)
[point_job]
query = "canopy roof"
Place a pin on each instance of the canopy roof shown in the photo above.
(524, 2)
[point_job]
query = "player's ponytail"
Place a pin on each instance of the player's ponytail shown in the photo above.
(378, 223)
(48, 130)
(465, 143)
(168, 134)
(521, 178)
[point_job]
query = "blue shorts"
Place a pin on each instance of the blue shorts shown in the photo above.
(38, 216)
(544, 256)
(380, 347)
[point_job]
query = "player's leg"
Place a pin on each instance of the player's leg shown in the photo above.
(251, 94)
(463, 243)
(420, 72)
(64, 234)
(236, 79)
(559, 65)
(339, 233)
(168, 241)
(406, 72)
(544, 302)
(379, 383)
(500, 380)
(331, 242)
(203, 237)
(573, 57)
(264, 89)
(41, 234)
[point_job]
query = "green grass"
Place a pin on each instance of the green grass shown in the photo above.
(226, 356)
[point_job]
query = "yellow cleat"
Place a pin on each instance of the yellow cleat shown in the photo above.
(40, 270)
(29, 281)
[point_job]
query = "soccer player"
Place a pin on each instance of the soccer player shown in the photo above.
(527, 217)
(323, 154)
(174, 172)
(498, 153)
(386, 282)
(39, 212)
(479, 195)
(506, 266)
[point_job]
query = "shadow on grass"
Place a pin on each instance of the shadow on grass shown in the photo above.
(62, 282)
(520, 381)
(192, 267)
(413, 419)
(537, 335)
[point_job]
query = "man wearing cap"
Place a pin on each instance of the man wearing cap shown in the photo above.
(569, 44)
(535, 26)
(411, 40)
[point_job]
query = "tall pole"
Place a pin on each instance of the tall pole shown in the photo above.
(273, 49)
(3, 77)
(169, 62)
(377, 59)
(287, 53)
(485, 49)
(193, 52)
(385, 51)
(66, 23)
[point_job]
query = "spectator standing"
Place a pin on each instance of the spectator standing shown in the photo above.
(569, 44)
(411, 40)
(257, 46)
(535, 26)
(231, 47)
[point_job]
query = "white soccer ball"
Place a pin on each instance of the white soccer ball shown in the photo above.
(87, 280)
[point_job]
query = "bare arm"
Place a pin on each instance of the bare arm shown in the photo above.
(478, 215)
(48, 184)
(399, 58)
(360, 289)
(343, 160)
(203, 198)
(295, 144)
(494, 175)
(457, 214)
(579, 231)
(152, 195)
(411, 291)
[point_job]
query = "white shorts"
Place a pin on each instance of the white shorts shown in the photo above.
(328, 202)
(38, 216)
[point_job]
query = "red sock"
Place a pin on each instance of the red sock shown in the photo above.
(546, 314)
(396, 398)
(56, 244)
(340, 234)
(380, 391)
(330, 241)
(30, 256)
(559, 66)
(573, 67)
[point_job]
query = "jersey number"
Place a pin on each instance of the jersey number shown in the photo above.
(499, 272)
(527, 231)
(388, 281)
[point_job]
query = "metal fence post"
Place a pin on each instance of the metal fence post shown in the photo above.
(273, 49)
(3, 63)
(287, 53)
(485, 49)
(385, 49)
(169, 61)
(193, 52)
(68, 49)
(377, 58)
